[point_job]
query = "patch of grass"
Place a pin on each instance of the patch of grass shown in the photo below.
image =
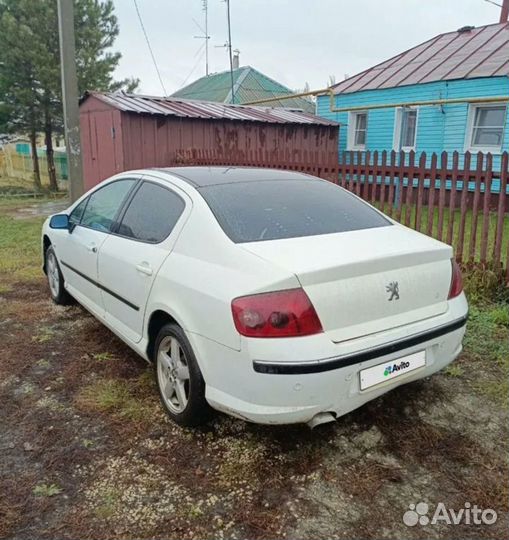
(50, 403)
(103, 357)
(484, 285)
(122, 398)
(499, 315)
(43, 363)
(497, 390)
(20, 250)
(45, 334)
(108, 505)
(21, 189)
(195, 511)
(454, 370)
(46, 490)
(486, 347)
(485, 339)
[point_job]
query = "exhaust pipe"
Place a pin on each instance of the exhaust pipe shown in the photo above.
(321, 418)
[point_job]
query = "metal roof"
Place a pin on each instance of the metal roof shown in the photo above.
(181, 108)
(465, 54)
(249, 85)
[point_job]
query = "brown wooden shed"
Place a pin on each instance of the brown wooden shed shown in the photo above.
(122, 131)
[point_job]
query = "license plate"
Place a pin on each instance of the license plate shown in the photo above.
(391, 369)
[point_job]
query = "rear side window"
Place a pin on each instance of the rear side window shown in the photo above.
(272, 210)
(104, 204)
(152, 214)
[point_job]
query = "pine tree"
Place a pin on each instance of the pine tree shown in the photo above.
(30, 62)
(18, 82)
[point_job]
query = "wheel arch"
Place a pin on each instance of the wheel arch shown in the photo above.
(157, 319)
(46, 243)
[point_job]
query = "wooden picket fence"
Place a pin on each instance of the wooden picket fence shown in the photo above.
(461, 199)
(318, 163)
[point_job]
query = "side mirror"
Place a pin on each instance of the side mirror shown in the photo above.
(60, 221)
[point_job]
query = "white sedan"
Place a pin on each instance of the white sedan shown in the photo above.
(271, 295)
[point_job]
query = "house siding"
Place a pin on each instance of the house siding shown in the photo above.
(439, 128)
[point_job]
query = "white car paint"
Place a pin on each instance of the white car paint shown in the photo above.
(195, 273)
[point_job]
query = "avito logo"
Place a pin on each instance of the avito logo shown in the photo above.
(396, 367)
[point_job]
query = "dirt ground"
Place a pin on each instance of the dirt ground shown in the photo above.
(86, 451)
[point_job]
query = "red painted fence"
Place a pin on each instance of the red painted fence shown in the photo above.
(442, 196)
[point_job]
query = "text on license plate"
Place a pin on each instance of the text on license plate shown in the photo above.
(391, 369)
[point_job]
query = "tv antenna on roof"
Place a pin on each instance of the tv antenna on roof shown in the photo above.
(205, 35)
(228, 47)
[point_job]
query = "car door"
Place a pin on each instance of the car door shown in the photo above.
(131, 256)
(77, 249)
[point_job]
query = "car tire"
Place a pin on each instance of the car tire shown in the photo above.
(56, 281)
(179, 379)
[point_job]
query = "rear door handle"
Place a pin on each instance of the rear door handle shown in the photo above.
(92, 247)
(144, 268)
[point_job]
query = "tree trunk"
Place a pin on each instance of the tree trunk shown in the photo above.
(35, 160)
(48, 132)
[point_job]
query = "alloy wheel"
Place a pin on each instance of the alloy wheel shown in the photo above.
(173, 374)
(53, 276)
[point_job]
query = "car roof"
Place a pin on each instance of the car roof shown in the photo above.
(212, 176)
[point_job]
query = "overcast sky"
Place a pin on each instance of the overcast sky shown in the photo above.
(292, 41)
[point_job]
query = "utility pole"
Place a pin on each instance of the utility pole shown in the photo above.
(70, 97)
(230, 48)
(504, 12)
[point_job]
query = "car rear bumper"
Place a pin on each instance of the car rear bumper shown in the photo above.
(329, 364)
(266, 390)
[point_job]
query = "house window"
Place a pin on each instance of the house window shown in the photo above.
(358, 130)
(486, 128)
(405, 129)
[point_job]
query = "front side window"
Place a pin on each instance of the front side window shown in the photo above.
(152, 213)
(406, 129)
(77, 213)
(273, 210)
(487, 127)
(358, 131)
(104, 204)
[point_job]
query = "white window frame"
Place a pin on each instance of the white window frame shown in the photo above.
(398, 125)
(352, 123)
(472, 111)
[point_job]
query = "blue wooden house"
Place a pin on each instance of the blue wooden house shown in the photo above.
(450, 93)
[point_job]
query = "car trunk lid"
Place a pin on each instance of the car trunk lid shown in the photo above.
(366, 281)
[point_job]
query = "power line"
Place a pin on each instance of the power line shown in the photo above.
(150, 48)
(200, 50)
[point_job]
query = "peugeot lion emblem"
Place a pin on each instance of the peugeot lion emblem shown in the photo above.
(393, 289)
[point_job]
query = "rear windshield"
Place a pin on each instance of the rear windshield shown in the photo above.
(272, 210)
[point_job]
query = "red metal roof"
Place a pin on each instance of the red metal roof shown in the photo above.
(167, 106)
(466, 54)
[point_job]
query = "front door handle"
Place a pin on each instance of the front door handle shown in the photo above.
(144, 268)
(92, 247)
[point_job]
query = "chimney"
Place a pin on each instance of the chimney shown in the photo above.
(236, 61)
(504, 12)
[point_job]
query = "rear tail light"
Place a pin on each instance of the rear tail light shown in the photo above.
(276, 314)
(456, 281)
